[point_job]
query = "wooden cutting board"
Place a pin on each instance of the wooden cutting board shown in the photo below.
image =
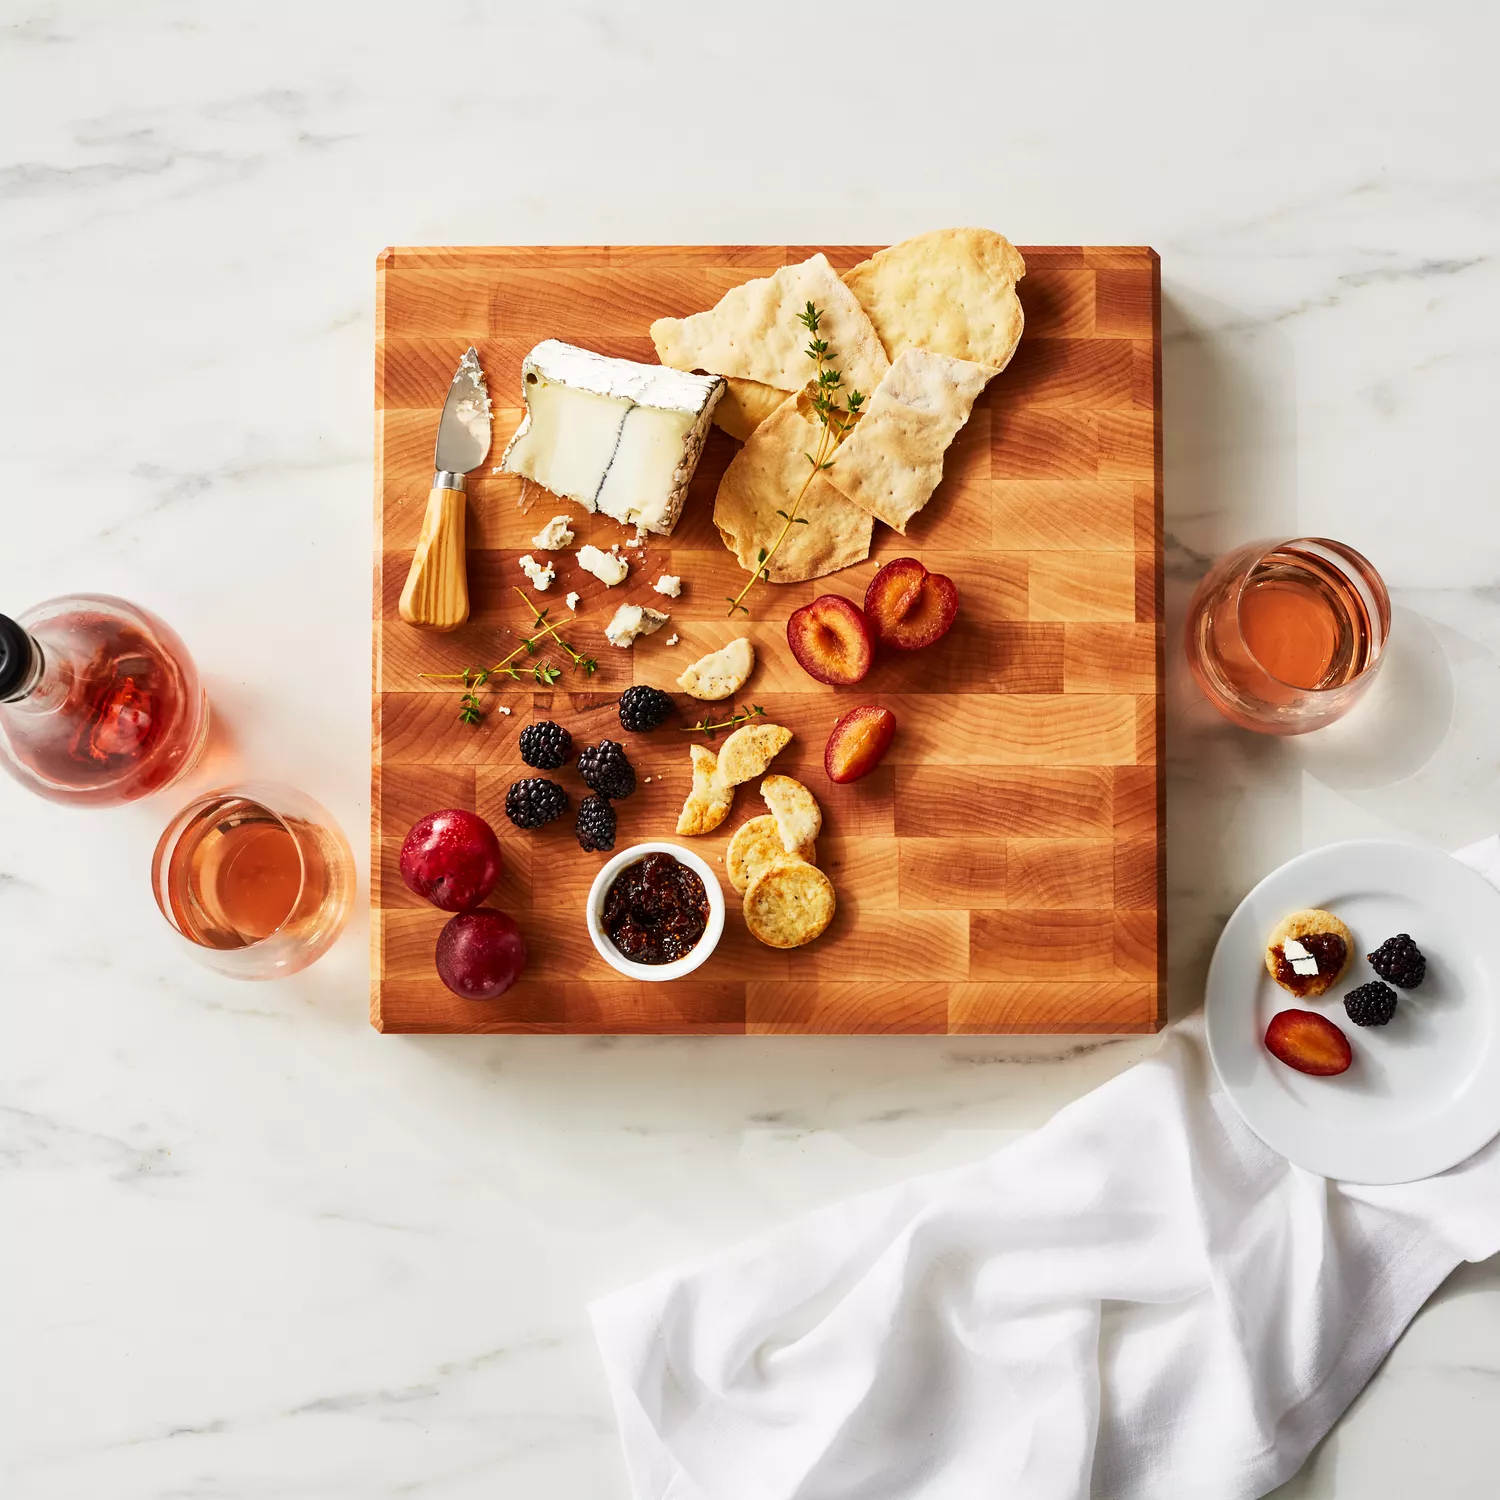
(1002, 870)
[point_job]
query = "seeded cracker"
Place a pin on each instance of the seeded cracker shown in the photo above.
(893, 460)
(752, 332)
(789, 905)
(755, 848)
(764, 477)
(749, 750)
(952, 291)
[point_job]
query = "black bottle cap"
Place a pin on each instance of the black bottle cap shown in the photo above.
(15, 658)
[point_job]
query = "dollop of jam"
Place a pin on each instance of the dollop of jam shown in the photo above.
(656, 910)
(1327, 947)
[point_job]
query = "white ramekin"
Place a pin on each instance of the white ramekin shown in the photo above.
(701, 949)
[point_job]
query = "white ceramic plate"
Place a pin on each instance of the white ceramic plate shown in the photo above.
(1423, 1092)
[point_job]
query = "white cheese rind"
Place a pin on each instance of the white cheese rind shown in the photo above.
(605, 566)
(632, 621)
(618, 437)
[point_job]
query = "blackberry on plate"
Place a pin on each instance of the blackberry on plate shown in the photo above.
(1399, 961)
(1372, 1004)
(605, 769)
(530, 803)
(545, 745)
(643, 708)
(596, 823)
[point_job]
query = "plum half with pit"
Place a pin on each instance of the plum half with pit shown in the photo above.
(480, 954)
(451, 858)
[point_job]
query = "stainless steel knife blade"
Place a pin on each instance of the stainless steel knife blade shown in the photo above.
(463, 437)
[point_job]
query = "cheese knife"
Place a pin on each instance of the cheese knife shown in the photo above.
(437, 587)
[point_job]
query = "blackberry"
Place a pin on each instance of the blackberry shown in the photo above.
(643, 708)
(605, 769)
(1371, 1004)
(530, 803)
(545, 745)
(596, 823)
(1399, 961)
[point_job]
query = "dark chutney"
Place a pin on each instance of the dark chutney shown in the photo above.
(656, 910)
(1329, 950)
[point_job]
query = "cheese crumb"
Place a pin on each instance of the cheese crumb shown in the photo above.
(605, 566)
(502, 709)
(669, 584)
(673, 638)
(554, 536)
(571, 600)
(540, 574)
(631, 621)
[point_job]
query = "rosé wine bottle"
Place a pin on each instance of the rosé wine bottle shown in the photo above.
(100, 702)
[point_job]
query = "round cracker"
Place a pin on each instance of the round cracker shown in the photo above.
(789, 905)
(1305, 923)
(755, 847)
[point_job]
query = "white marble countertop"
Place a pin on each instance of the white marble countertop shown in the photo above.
(254, 1249)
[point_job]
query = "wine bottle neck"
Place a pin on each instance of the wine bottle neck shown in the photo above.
(30, 680)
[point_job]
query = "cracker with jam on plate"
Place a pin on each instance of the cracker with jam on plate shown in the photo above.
(1308, 952)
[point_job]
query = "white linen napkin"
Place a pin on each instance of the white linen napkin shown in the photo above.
(1138, 1300)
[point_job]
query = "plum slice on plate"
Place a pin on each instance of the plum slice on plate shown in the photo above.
(1308, 1042)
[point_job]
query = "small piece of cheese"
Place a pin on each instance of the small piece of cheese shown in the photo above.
(571, 600)
(631, 621)
(540, 574)
(1293, 949)
(1301, 960)
(554, 536)
(669, 584)
(605, 566)
(616, 436)
(673, 639)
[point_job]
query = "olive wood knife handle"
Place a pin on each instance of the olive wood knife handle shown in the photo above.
(437, 588)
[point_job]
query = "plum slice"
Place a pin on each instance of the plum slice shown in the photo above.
(858, 743)
(1308, 1042)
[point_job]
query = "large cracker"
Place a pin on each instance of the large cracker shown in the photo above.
(744, 405)
(752, 332)
(799, 819)
(789, 905)
(755, 847)
(951, 290)
(749, 750)
(709, 801)
(893, 460)
(764, 478)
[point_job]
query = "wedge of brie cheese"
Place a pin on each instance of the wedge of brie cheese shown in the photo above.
(632, 620)
(618, 437)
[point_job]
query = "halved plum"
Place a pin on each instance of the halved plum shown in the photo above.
(858, 743)
(1308, 1042)
(831, 640)
(909, 607)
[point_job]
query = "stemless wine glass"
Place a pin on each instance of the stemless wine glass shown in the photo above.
(256, 879)
(1286, 636)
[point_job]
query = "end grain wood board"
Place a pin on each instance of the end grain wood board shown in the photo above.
(1002, 870)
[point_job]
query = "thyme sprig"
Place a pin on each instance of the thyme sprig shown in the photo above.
(834, 422)
(738, 717)
(543, 673)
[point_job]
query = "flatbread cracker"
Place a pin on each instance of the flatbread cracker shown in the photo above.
(755, 847)
(752, 332)
(764, 477)
(789, 905)
(744, 405)
(952, 291)
(799, 819)
(893, 460)
(709, 801)
(749, 750)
